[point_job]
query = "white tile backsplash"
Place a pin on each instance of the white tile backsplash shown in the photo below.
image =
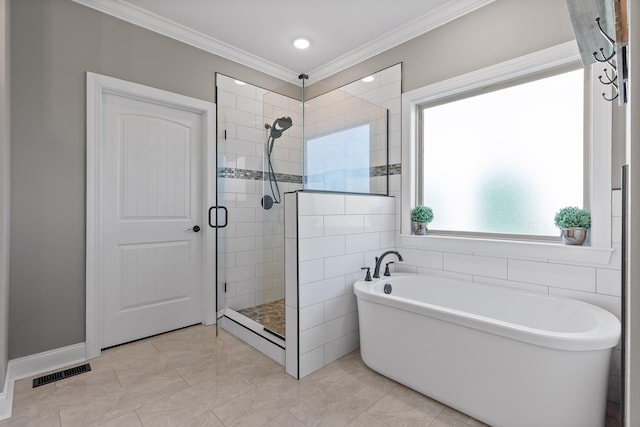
(343, 224)
(321, 247)
(310, 271)
(313, 293)
(320, 204)
(340, 306)
(342, 345)
(382, 222)
(609, 282)
(341, 265)
(476, 265)
(362, 242)
(310, 226)
(311, 361)
(362, 205)
(312, 315)
(557, 275)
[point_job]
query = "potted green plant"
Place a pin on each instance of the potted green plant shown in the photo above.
(573, 223)
(420, 216)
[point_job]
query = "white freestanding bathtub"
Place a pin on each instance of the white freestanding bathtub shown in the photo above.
(507, 358)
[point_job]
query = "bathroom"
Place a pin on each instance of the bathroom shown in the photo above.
(60, 291)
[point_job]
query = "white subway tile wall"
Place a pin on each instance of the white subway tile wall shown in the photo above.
(331, 249)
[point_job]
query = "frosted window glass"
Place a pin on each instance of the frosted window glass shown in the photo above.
(339, 161)
(506, 161)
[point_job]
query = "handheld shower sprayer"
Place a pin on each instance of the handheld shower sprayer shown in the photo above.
(277, 128)
(275, 131)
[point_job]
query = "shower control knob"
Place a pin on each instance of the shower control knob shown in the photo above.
(195, 228)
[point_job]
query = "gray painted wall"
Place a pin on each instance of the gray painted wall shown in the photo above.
(4, 188)
(500, 31)
(54, 42)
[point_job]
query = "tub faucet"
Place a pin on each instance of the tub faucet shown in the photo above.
(376, 271)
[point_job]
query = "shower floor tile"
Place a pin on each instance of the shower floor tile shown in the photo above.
(270, 315)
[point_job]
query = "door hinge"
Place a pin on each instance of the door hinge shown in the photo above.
(225, 134)
(225, 287)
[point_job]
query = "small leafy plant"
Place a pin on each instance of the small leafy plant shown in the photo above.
(422, 213)
(572, 217)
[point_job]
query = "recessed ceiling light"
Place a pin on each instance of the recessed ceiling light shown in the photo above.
(301, 43)
(368, 79)
(241, 83)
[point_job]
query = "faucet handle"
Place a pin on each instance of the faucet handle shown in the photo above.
(367, 277)
(386, 269)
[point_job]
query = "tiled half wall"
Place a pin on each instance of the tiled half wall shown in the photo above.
(328, 239)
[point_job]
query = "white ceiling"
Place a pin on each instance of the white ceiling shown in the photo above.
(259, 33)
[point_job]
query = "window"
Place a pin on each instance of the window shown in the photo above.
(504, 161)
(339, 161)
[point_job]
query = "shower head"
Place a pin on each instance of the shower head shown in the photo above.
(283, 123)
(279, 126)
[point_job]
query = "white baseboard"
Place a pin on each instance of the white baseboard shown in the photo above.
(6, 398)
(28, 366)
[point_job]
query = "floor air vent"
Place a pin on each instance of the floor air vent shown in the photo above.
(57, 376)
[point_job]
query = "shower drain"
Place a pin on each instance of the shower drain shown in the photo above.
(60, 375)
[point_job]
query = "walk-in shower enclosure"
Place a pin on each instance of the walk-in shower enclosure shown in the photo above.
(335, 142)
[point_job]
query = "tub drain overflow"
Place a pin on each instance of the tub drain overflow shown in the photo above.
(387, 288)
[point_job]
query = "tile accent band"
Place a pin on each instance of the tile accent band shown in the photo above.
(255, 175)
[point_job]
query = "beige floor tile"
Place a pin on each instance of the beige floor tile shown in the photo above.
(114, 404)
(128, 354)
(129, 419)
(89, 384)
(404, 407)
(339, 404)
(285, 420)
(25, 386)
(366, 420)
(259, 370)
(225, 387)
(207, 419)
(256, 407)
(51, 419)
(140, 370)
(192, 378)
(175, 409)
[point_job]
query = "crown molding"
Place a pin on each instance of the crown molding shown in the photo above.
(121, 9)
(156, 23)
(417, 27)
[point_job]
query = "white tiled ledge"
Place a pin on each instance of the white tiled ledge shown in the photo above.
(552, 252)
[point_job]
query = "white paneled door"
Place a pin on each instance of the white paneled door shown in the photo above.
(151, 218)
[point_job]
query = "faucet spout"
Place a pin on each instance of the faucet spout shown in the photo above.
(376, 271)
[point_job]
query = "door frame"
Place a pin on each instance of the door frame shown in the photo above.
(97, 86)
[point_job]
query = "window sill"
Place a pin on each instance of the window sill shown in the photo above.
(551, 252)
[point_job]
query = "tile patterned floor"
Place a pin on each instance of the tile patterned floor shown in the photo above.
(270, 315)
(191, 378)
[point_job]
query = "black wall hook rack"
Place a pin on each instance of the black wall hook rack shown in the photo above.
(610, 75)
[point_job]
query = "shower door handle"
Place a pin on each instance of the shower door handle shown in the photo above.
(226, 217)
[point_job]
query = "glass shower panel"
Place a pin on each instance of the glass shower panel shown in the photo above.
(346, 145)
(259, 159)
